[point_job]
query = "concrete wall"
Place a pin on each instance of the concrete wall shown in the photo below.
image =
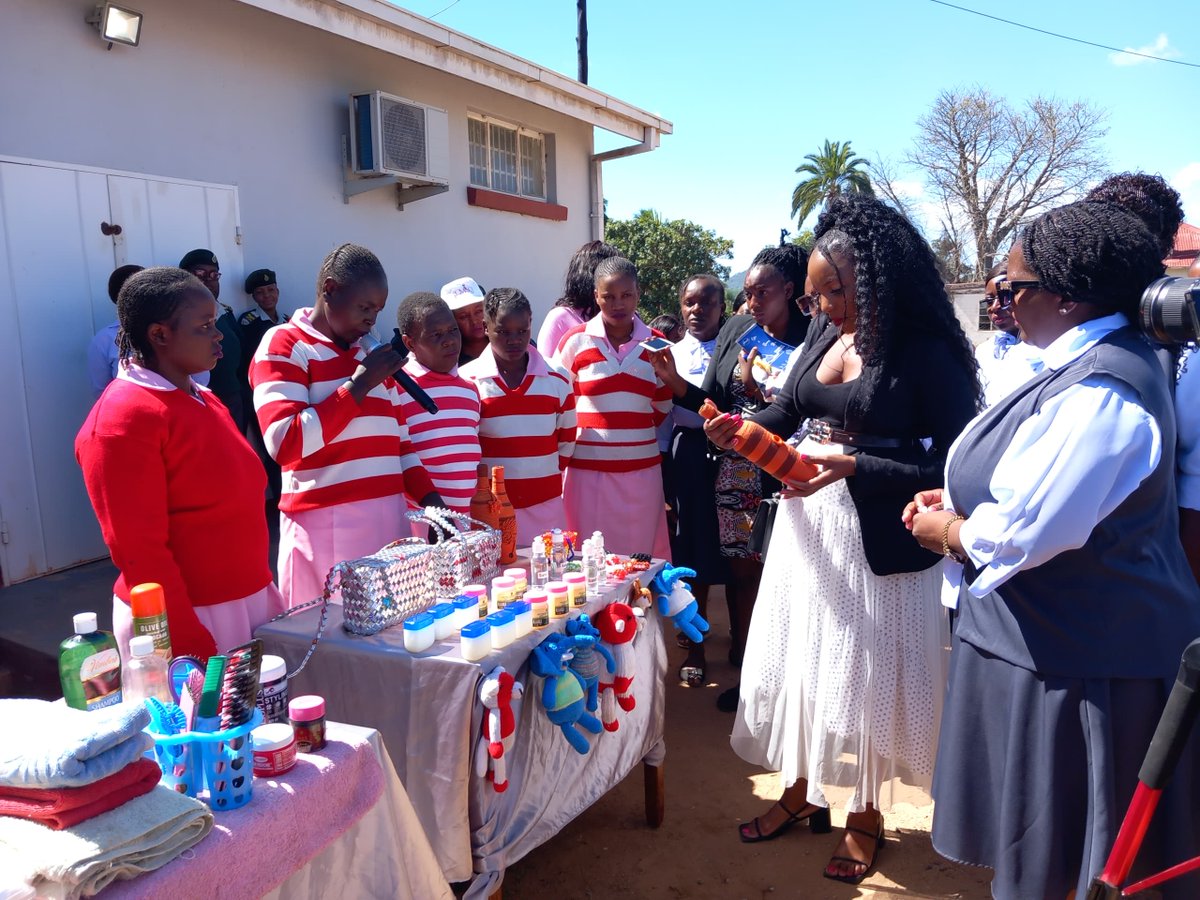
(220, 92)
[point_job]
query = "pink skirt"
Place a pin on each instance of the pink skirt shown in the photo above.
(536, 520)
(313, 541)
(231, 623)
(626, 507)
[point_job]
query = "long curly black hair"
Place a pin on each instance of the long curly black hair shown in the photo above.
(579, 289)
(1148, 197)
(899, 292)
(1098, 253)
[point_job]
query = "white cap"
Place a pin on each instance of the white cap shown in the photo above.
(85, 623)
(273, 668)
(538, 548)
(461, 293)
(142, 645)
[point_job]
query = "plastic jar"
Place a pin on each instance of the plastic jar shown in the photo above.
(523, 613)
(539, 603)
(504, 592)
(480, 593)
(419, 632)
(274, 749)
(577, 588)
(466, 611)
(560, 599)
(476, 640)
(521, 578)
(307, 717)
(443, 620)
(273, 690)
(504, 628)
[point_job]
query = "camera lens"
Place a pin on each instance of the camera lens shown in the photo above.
(1168, 311)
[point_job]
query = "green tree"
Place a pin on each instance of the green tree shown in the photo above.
(666, 252)
(804, 239)
(835, 170)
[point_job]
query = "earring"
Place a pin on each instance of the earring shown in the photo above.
(1062, 310)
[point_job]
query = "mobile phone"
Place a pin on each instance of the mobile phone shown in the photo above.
(655, 344)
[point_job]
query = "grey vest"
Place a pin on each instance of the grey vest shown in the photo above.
(1125, 604)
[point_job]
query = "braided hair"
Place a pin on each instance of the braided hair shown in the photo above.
(1149, 198)
(150, 297)
(1090, 252)
(501, 302)
(579, 289)
(899, 291)
(614, 266)
(351, 264)
(711, 283)
(790, 261)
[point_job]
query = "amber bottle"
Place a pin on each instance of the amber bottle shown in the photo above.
(507, 518)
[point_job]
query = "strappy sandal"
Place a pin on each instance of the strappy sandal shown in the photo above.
(868, 864)
(693, 676)
(818, 823)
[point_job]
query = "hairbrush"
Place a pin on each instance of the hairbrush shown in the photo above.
(239, 688)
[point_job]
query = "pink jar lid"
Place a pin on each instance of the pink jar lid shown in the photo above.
(475, 590)
(536, 595)
(575, 578)
(515, 573)
(307, 708)
(504, 582)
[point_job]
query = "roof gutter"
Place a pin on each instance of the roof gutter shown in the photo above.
(650, 141)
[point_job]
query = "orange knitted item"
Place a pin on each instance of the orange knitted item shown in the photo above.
(768, 451)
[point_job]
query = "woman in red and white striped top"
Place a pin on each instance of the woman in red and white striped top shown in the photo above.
(528, 416)
(448, 442)
(613, 482)
(331, 417)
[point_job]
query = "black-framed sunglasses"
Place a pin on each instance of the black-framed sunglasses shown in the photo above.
(1003, 298)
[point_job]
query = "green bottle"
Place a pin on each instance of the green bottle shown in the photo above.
(89, 666)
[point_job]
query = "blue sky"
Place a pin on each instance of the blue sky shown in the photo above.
(754, 85)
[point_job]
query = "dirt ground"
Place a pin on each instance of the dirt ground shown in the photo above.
(608, 852)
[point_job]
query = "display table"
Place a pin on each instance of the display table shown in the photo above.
(428, 711)
(339, 823)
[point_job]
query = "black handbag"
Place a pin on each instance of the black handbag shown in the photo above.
(764, 523)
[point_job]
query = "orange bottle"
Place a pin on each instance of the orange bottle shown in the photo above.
(148, 608)
(507, 516)
(768, 451)
(483, 504)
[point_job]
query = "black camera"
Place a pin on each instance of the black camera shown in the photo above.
(1168, 311)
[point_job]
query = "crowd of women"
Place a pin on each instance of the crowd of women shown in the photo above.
(982, 591)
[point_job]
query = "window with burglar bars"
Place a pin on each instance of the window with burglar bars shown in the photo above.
(507, 158)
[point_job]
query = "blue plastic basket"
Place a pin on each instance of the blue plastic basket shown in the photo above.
(226, 764)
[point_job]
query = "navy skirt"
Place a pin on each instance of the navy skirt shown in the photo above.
(1034, 774)
(695, 542)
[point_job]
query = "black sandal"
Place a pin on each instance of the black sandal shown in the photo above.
(868, 864)
(693, 676)
(818, 823)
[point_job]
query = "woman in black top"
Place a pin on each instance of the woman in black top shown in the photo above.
(845, 661)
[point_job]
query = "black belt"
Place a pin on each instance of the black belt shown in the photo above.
(824, 433)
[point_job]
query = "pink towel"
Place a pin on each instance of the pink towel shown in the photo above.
(290, 820)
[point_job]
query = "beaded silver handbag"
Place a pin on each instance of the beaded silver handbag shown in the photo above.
(385, 588)
(459, 558)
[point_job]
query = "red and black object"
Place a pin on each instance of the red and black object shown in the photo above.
(1174, 728)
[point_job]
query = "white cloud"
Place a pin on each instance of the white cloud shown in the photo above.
(1161, 48)
(1187, 182)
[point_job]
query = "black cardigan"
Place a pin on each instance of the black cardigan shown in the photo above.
(725, 359)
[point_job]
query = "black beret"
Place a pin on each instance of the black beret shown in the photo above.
(198, 258)
(259, 278)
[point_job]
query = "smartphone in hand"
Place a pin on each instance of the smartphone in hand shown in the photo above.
(655, 344)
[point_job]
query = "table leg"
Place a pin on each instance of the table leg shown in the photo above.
(652, 777)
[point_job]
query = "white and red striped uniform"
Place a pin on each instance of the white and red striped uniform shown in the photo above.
(448, 442)
(530, 430)
(613, 482)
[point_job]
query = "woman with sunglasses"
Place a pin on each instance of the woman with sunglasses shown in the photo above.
(1074, 596)
(1005, 361)
(773, 284)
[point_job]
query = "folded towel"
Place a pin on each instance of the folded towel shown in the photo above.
(60, 808)
(140, 836)
(49, 745)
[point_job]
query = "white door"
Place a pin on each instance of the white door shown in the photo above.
(54, 266)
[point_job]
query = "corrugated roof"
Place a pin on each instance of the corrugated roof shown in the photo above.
(1186, 249)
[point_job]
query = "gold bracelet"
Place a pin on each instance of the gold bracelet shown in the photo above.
(946, 551)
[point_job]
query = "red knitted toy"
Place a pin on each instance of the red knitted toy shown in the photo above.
(618, 626)
(497, 691)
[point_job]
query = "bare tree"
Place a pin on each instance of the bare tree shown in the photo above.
(885, 177)
(994, 166)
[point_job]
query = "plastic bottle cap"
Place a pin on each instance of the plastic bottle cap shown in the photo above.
(575, 578)
(476, 629)
(441, 610)
(516, 574)
(306, 708)
(142, 645)
(557, 537)
(146, 600)
(538, 548)
(501, 617)
(274, 736)
(420, 620)
(518, 607)
(504, 583)
(85, 623)
(273, 668)
(556, 587)
(465, 602)
(537, 595)
(475, 590)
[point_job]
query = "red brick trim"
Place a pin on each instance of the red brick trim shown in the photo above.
(477, 196)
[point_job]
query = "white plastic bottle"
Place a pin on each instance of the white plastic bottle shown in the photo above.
(558, 556)
(145, 675)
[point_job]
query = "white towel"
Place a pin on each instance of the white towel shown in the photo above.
(139, 836)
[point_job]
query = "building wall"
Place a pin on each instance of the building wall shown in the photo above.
(221, 92)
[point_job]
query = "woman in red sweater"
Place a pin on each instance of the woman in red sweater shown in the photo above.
(149, 450)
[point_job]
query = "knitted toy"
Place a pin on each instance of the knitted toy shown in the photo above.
(497, 691)
(674, 598)
(618, 625)
(768, 451)
(587, 662)
(564, 692)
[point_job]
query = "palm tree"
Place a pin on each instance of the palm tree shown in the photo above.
(835, 170)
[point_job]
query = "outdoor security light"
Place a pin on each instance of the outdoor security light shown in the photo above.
(117, 24)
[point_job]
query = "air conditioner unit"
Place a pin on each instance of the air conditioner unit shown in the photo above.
(390, 135)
